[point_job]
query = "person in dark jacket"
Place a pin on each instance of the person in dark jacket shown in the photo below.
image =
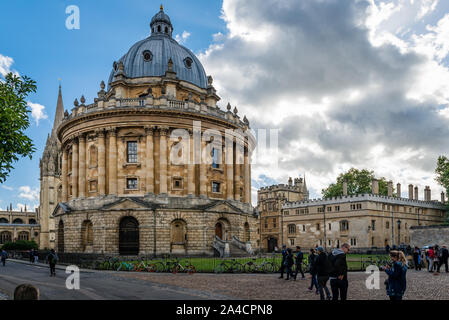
(52, 259)
(284, 257)
(396, 283)
(4, 256)
(339, 273)
(32, 256)
(289, 264)
(323, 268)
(299, 257)
(312, 270)
(444, 255)
(417, 258)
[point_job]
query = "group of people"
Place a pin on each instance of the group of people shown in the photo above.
(52, 259)
(333, 267)
(432, 258)
(322, 268)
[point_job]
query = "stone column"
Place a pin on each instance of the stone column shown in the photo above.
(101, 163)
(191, 168)
(246, 178)
(203, 170)
(237, 172)
(149, 161)
(64, 175)
(75, 168)
(163, 160)
(229, 162)
(112, 160)
(410, 191)
(82, 166)
(443, 197)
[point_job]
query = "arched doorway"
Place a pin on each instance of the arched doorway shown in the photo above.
(219, 230)
(272, 244)
(5, 237)
(178, 236)
(129, 236)
(61, 236)
(87, 234)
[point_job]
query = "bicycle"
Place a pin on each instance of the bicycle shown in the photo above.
(225, 266)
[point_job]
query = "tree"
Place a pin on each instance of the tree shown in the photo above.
(442, 172)
(359, 182)
(14, 120)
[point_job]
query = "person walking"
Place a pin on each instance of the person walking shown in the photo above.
(283, 261)
(397, 281)
(36, 256)
(387, 248)
(52, 259)
(436, 257)
(289, 264)
(299, 257)
(312, 270)
(4, 256)
(32, 256)
(417, 258)
(430, 259)
(339, 273)
(444, 255)
(323, 269)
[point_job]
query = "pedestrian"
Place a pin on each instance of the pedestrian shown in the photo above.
(436, 257)
(323, 269)
(284, 257)
(417, 258)
(36, 256)
(312, 270)
(299, 257)
(387, 248)
(31, 255)
(339, 273)
(444, 256)
(397, 281)
(4, 256)
(430, 259)
(26, 292)
(52, 259)
(289, 264)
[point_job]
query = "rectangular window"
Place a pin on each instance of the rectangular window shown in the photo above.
(373, 225)
(329, 209)
(131, 183)
(320, 209)
(131, 151)
(93, 186)
(292, 242)
(215, 162)
(303, 227)
(216, 187)
(177, 183)
(337, 208)
(359, 206)
(318, 227)
(387, 225)
(330, 227)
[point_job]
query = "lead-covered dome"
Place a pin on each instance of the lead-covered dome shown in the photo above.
(149, 57)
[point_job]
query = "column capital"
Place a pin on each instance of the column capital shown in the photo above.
(81, 137)
(149, 130)
(112, 131)
(99, 133)
(163, 130)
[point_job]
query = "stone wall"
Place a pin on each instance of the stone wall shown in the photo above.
(429, 235)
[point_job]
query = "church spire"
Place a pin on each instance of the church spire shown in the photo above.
(59, 115)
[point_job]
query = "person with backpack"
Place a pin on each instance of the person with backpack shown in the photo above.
(4, 256)
(417, 258)
(299, 257)
(444, 256)
(289, 264)
(339, 274)
(52, 259)
(396, 282)
(283, 263)
(312, 270)
(323, 268)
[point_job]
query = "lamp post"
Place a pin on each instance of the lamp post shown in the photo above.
(324, 217)
(399, 233)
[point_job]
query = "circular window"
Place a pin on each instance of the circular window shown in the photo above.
(188, 62)
(147, 56)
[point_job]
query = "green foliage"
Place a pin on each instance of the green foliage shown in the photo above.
(20, 245)
(14, 120)
(359, 182)
(442, 172)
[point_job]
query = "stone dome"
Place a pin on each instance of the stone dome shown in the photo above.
(149, 57)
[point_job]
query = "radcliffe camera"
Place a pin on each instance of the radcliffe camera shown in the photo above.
(230, 157)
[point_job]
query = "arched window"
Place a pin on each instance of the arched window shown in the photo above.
(32, 221)
(158, 28)
(61, 236)
(166, 30)
(70, 162)
(87, 234)
(17, 221)
(59, 194)
(23, 235)
(129, 236)
(178, 232)
(291, 229)
(93, 156)
(5, 237)
(247, 235)
(4, 220)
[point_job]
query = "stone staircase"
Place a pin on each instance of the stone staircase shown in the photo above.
(234, 248)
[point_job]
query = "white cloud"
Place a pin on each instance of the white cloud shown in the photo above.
(26, 192)
(7, 188)
(182, 39)
(5, 64)
(37, 111)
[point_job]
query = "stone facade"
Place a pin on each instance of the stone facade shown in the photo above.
(365, 221)
(19, 225)
(421, 236)
(150, 152)
(269, 204)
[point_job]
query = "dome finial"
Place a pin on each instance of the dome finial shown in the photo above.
(162, 7)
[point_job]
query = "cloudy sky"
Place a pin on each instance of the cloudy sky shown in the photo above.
(360, 83)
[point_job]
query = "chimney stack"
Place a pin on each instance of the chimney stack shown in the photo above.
(416, 193)
(345, 188)
(398, 190)
(426, 193)
(375, 186)
(390, 188)
(290, 182)
(410, 191)
(443, 197)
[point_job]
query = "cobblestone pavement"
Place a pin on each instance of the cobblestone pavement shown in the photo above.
(421, 285)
